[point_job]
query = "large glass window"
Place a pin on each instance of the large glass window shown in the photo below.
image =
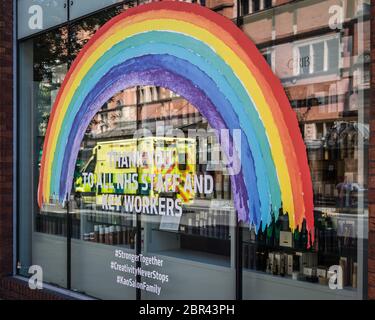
(325, 74)
(42, 234)
(47, 235)
(107, 242)
(189, 233)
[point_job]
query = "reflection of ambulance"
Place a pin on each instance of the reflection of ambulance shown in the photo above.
(111, 161)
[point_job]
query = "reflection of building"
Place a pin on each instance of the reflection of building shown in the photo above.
(320, 50)
(323, 62)
(119, 116)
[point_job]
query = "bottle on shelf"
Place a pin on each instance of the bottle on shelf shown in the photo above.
(119, 235)
(189, 228)
(106, 235)
(355, 275)
(110, 235)
(219, 185)
(209, 226)
(101, 234)
(215, 224)
(96, 233)
(226, 187)
(245, 252)
(196, 230)
(132, 240)
(125, 237)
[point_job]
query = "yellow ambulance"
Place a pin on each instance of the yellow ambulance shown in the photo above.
(144, 158)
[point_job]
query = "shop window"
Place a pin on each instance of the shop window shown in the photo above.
(202, 235)
(325, 101)
(277, 262)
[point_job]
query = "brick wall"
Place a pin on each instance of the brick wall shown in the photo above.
(224, 7)
(371, 250)
(15, 289)
(6, 138)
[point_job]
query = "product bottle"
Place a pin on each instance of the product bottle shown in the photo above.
(96, 233)
(226, 187)
(227, 228)
(304, 236)
(190, 226)
(101, 235)
(125, 234)
(268, 268)
(354, 277)
(205, 224)
(221, 225)
(106, 235)
(282, 265)
(182, 228)
(115, 238)
(214, 225)
(344, 267)
(296, 240)
(210, 227)
(316, 240)
(110, 235)
(269, 234)
(119, 235)
(296, 263)
(218, 185)
(132, 240)
(275, 269)
(197, 231)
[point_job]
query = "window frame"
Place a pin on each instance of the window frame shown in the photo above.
(297, 68)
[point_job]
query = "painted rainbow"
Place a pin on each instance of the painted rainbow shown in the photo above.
(205, 58)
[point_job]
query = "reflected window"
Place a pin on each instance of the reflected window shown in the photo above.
(256, 5)
(267, 4)
(318, 56)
